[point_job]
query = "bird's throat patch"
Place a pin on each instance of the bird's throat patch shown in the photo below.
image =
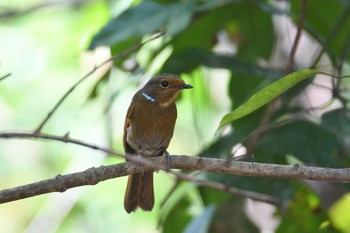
(148, 97)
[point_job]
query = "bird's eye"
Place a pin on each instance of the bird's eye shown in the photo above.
(164, 84)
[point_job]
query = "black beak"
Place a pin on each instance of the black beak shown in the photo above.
(186, 86)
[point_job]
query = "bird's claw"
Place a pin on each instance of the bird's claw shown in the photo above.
(168, 158)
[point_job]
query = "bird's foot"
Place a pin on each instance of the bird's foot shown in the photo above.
(245, 157)
(168, 159)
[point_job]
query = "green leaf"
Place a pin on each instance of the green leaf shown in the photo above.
(205, 25)
(242, 86)
(267, 94)
(146, 18)
(191, 58)
(253, 22)
(309, 142)
(230, 17)
(279, 188)
(230, 216)
(182, 216)
(212, 4)
(338, 122)
(304, 213)
(211, 196)
(220, 148)
(338, 214)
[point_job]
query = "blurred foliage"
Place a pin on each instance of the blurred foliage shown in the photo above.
(229, 50)
(304, 205)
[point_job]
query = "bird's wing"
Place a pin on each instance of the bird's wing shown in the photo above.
(127, 124)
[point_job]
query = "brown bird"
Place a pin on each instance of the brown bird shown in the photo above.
(148, 129)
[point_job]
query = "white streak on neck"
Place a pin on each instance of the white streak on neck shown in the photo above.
(148, 97)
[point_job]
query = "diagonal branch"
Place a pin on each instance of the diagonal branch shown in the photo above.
(272, 105)
(93, 176)
(67, 139)
(50, 137)
(114, 58)
(11, 12)
(5, 76)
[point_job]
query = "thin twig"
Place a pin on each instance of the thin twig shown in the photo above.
(67, 139)
(272, 105)
(343, 19)
(10, 12)
(339, 68)
(5, 76)
(297, 36)
(114, 58)
(93, 176)
(226, 188)
(64, 139)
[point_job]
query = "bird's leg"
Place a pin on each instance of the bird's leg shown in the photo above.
(168, 158)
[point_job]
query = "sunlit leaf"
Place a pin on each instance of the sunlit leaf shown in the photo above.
(339, 214)
(267, 94)
(302, 215)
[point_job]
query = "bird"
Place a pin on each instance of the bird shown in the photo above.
(148, 129)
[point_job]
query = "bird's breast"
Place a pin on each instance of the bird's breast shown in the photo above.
(151, 129)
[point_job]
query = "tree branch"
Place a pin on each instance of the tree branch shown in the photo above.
(64, 139)
(93, 176)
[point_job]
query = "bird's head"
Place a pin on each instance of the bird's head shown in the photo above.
(163, 89)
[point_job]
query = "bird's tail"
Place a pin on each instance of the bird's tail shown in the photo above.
(139, 192)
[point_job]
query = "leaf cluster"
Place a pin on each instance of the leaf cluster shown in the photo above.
(271, 119)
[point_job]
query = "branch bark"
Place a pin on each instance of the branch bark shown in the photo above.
(93, 176)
